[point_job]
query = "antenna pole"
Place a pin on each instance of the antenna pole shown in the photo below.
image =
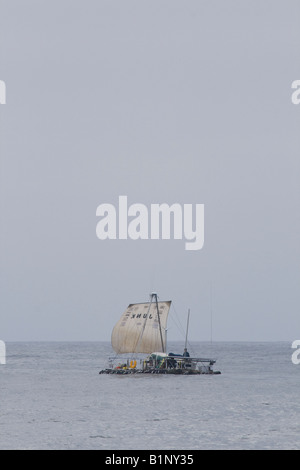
(211, 319)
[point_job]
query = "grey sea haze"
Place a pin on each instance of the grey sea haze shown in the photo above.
(164, 102)
(52, 397)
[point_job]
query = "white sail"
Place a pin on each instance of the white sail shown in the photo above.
(140, 330)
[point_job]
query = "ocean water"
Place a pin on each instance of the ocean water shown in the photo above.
(52, 397)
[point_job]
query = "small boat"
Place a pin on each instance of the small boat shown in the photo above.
(141, 332)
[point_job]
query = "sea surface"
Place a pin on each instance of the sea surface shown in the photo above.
(52, 397)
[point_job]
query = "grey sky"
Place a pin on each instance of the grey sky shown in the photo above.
(162, 101)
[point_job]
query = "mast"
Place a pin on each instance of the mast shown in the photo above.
(154, 296)
(187, 329)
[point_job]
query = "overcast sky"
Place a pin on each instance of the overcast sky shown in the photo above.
(163, 101)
